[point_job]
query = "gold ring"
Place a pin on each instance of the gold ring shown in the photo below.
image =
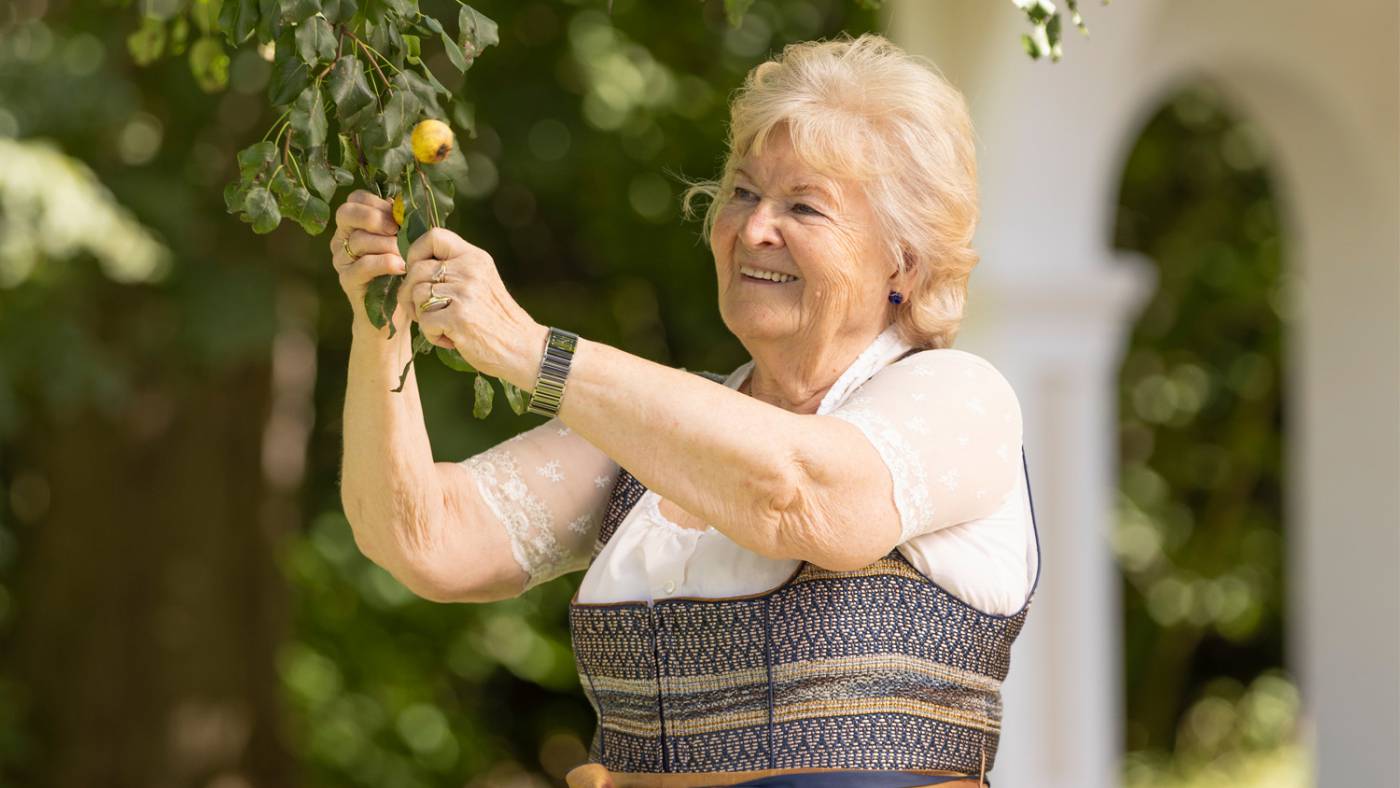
(434, 302)
(350, 254)
(441, 275)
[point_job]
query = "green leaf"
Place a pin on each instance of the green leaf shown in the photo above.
(481, 406)
(308, 118)
(298, 11)
(269, 22)
(238, 18)
(416, 226)
(374, 11)
(413, 47)
(147, 42)
(421, 89)
(735, 10)
(454, 53)
(319, 173)
(235, 192)
(476, 32)
(350, 89)
(343, 177)
(338, 11)
(443, 190)
(347, 151)
(420, 345)
(256, 158)
(262, 207)
(400, 113)
(282, 184)
(418, 196)
(312, 213)
(454, 360)
(315, 40)
(393, 162)
(209, 63)
(464, 115)
(381, 296)
(515, 396)
(290, 76)
(432, 24)
(406, 9)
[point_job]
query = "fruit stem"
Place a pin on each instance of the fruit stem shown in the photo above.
(370, 49)
(277, 140)
(408, 188)
(432, 198)
(297, 169)
(274, 124)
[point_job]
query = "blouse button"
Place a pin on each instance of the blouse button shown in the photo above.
(670, 586)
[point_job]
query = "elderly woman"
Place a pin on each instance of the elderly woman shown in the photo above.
(810, 574)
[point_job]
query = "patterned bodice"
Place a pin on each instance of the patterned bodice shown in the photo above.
(875, 668)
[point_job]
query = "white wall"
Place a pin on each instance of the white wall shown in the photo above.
(1051, 303)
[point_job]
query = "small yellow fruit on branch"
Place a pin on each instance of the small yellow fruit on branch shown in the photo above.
(398, 209)
(432, 141)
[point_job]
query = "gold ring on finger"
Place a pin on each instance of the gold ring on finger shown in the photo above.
(350, 254)
(434, 302)
(441, 275)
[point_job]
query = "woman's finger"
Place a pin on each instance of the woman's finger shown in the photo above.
(439, 243)
(362, 243)
(367, 198)
(369, 266)
(415, 288)
(358, 216)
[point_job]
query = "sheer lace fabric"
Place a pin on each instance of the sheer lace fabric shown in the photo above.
(548, 488)
(945, 423)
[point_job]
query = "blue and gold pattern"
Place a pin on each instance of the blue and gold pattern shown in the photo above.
(876, 668)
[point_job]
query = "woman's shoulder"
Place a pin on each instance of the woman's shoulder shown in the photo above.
(950, 364)
(944, 355)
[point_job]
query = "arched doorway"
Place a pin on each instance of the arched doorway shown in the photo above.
(1199, 534)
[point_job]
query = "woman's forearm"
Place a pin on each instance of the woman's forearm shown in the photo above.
(389, 486)
(716, 453)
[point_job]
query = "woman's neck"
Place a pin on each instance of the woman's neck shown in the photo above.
(798, 381)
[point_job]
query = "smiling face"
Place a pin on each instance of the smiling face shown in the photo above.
(784, 217)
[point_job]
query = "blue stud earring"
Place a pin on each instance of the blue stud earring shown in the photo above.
(895, 297)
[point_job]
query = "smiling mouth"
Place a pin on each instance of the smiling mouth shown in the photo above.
(761, 276)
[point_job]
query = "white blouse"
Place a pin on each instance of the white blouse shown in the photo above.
(945, 422)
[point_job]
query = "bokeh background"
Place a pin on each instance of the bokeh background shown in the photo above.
(182, 602)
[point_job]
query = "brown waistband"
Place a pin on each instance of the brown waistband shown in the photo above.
(595, 775)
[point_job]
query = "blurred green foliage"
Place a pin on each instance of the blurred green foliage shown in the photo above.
(585, 125)
(1199, 533)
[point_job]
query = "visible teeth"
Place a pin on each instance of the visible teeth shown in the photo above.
(771, 275)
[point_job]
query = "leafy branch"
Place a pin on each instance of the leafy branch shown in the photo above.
(317, 80)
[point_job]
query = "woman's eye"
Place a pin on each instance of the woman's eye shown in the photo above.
(741, 193)
(805, 208)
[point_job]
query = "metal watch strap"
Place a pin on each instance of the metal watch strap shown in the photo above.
(554, 368)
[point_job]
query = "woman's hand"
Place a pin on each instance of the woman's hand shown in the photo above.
(366, 224)
(483, 322)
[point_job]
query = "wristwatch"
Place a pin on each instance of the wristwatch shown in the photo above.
(554, 368)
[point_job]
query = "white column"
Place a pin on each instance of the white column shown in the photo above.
(1060, 342)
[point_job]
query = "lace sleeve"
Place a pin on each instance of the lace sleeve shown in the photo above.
(948, 426)
(548, 488)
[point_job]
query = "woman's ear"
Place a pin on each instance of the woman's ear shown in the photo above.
(908, 265)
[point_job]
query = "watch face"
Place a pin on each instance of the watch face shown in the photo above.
(562, 341)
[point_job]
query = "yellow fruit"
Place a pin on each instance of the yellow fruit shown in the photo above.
(432, 141)
(398, 209)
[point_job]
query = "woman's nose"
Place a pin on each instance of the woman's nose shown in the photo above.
(759, 228)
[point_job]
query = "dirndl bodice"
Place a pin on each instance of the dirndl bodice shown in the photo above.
(876, 668)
